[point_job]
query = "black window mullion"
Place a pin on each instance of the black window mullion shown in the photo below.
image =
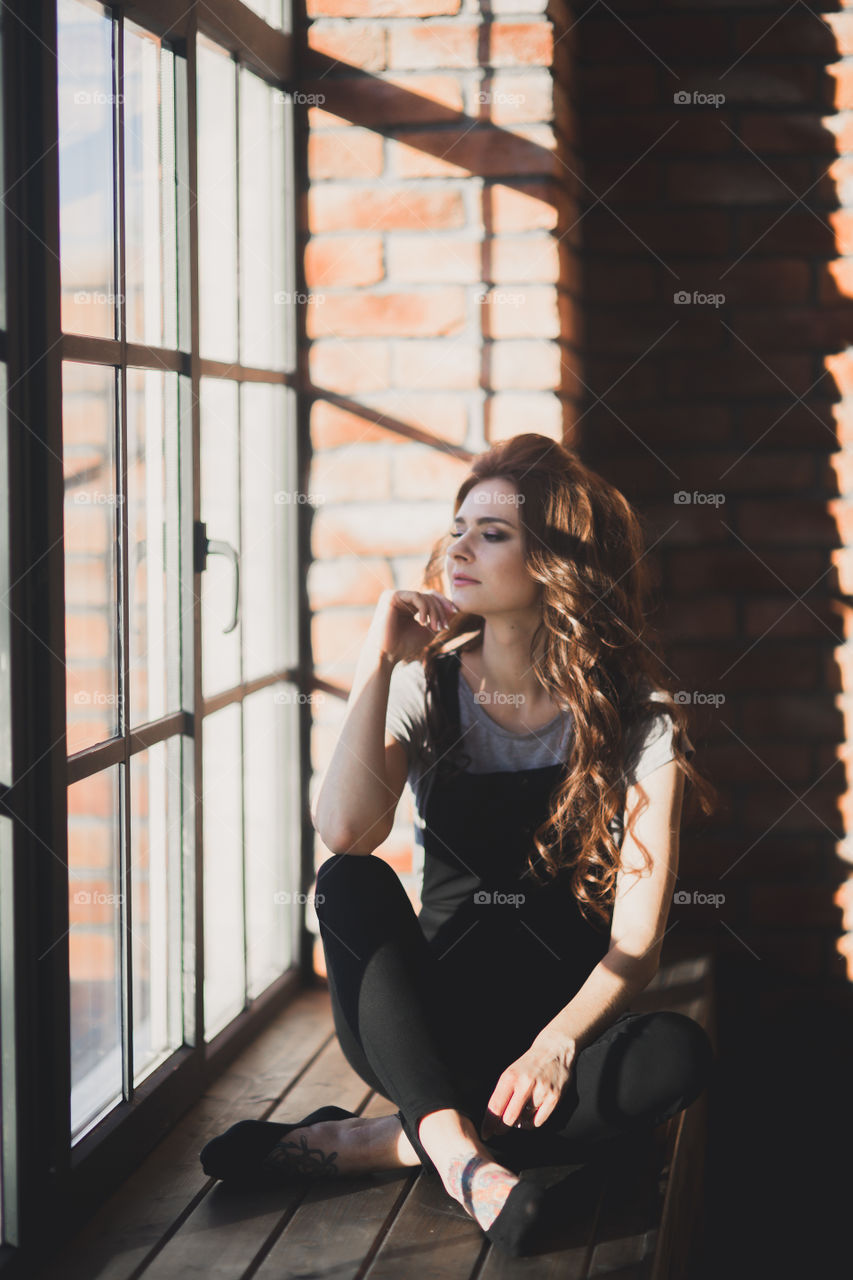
(123, 593)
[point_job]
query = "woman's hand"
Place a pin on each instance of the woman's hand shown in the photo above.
(529, 1089)
(406, 621)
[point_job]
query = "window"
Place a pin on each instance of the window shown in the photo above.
(170, 393)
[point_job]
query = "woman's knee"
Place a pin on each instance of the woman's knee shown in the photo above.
(684, 1054)
(359, 883)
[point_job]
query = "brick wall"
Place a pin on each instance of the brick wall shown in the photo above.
(502, 210)
(442, 275)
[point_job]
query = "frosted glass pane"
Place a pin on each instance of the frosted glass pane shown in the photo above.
(224, 957)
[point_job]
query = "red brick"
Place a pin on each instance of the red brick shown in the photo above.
(770, 233)
(443, 364)
(521, 207)
(524, 366)
(349, 153)
(333, 207)
(806, 522)
(779, 280)
(511, 98)
(841, 25)
(706, 37)
(521, 44)
(737, 569)
(512, 311)
(359, 528)
(738, 371)
(634, 133)
(662, 232)
(708, 616)
(358, 471)
(795, 31)
(381, 8)
(434, 259)
(603, 85)
(434, 45)
(404, 98)
(336, 261)
(367, 314)
(524, 259)
(785, 616)
(349, 368)
(836, 280)
(332, 426)
(419, 472)
(510, 413)
(358, 44)
(735, 182)
(442, 414)
(767, 133)
(487, 152)
(351, 580)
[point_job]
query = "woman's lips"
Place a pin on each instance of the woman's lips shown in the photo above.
(465, 582)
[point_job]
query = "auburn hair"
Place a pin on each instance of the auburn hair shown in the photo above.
(586, 545)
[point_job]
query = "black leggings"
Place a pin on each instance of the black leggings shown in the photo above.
(429, 1029)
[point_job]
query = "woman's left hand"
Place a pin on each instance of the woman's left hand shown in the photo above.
(529, 1089)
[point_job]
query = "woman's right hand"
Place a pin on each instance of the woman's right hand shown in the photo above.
(406, 621)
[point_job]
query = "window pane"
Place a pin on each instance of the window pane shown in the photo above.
(267, 516)
(149, 189)
(217, 203)
(153, 544)
(5, 657)
(94, 906)
(156, 823)
(220, 492)
(264, 300)
(272, 847)
(86, 109)
(224, 957)
(269, 10)
(91, 514)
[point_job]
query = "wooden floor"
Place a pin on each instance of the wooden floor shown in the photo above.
(169, 1221)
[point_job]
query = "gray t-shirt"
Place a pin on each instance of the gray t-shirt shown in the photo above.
(493, 748)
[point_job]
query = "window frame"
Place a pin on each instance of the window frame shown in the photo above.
(46, 1178)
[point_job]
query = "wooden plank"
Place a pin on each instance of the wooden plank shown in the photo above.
(431, 1237)
(147, 1205)
(227, 1229)
(626, 1237)
(338, 1226)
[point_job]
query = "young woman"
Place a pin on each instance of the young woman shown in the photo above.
(529, 710)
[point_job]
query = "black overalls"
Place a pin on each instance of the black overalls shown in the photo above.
(431, 1009)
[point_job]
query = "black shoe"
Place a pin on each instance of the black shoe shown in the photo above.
(237, 1155)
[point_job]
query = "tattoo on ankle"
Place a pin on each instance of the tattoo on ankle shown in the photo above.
(295, 1156)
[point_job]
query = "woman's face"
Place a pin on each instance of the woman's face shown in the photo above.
(487, 544)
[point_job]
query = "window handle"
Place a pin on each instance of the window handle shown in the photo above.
(203, 547)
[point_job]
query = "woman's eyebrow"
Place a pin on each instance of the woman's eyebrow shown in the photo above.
(486, 520)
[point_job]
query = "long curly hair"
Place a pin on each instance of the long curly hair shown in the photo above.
(586, 545)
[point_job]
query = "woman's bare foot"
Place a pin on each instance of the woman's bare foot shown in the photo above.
(363, 1144)
(469, 1171)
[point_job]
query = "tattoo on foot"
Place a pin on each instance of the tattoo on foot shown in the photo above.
(295, 1156)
